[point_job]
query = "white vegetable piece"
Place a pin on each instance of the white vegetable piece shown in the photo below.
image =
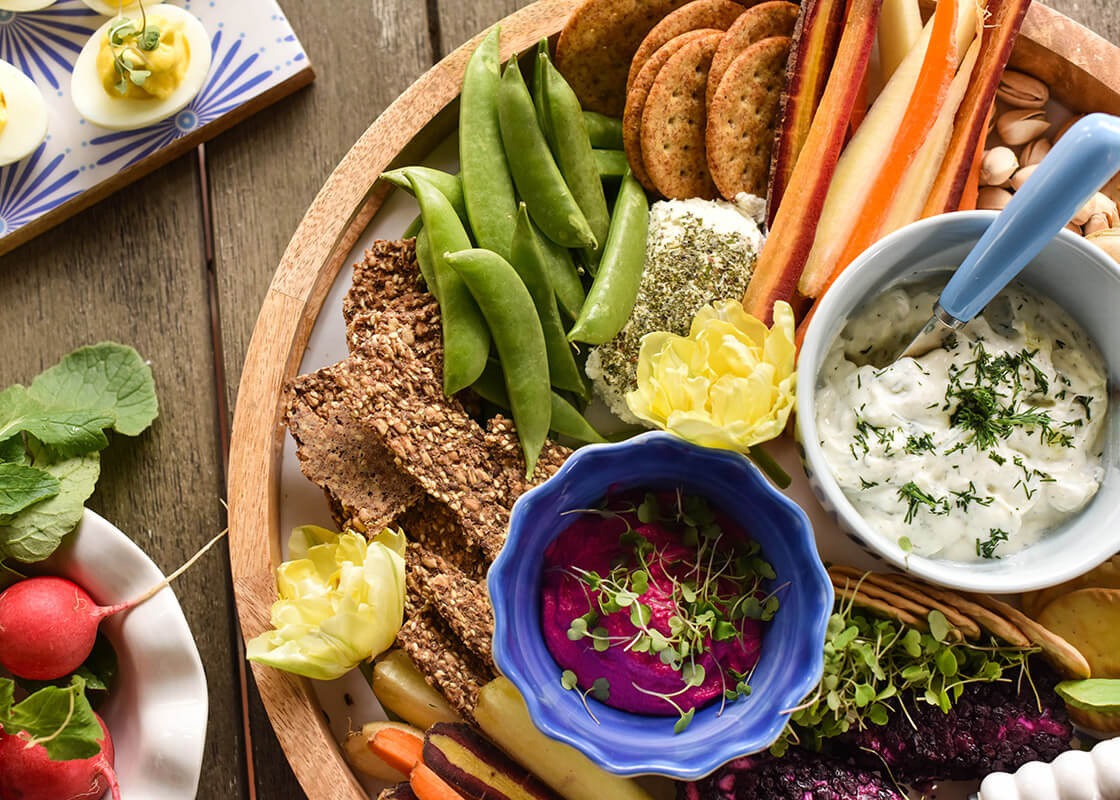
(1074, 775)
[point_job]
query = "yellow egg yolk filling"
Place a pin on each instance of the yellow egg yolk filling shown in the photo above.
(3, 112)
(135, 64)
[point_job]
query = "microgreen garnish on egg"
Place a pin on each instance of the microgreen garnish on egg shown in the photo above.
(129, 63)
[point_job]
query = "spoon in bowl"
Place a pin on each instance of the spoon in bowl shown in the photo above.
(1072, 172)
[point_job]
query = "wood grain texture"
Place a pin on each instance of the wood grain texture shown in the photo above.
(459, 22)
(132, 271)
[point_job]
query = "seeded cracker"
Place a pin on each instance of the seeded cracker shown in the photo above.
(431, 524)
(445, 663)
(460, 601)
(598, 43)
(365, 489)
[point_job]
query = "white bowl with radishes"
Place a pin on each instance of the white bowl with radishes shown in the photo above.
(157, 706)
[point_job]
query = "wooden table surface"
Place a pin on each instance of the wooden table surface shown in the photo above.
(142, 268)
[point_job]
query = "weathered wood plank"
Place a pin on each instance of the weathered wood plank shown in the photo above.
(1102, 16)
(132, 270)
(458, 22)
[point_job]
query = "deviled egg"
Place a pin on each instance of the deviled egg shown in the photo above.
(140, 68)
(25, 5)
(23, 115)
(110, 8)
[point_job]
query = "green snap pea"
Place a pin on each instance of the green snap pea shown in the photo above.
(539, 93)
(424, 259)
(534, 170)
(566, 419)
(414, 227)
(449, 185)
(528, 259)
(563, 274)
(615, 288)
(574, 157)
(466, 340)
(604, 131)
(488, 192)
(508, 308)
(612, 164)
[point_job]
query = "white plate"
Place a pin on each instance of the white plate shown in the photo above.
(158, 706)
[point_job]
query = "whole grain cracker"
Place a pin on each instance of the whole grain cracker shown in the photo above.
(1061, 653)
(717, 14)
(444, 661)
(636, 102)
(432, 525)
(598, 43)
(674, 122)
(894, 583)
(742, 116)
(772, 18)
(460, 601)
(883, 609)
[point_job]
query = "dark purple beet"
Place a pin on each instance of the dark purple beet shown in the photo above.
(798, 775)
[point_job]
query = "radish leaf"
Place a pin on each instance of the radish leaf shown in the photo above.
(60, 719)
(69, 431)
(22, 486)
(34, 533)
(109, 377)
(7, 692)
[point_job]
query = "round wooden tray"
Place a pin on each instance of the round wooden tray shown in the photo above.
(1080, 67)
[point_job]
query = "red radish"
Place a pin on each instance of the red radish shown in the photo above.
(48, 625)
(28, 773)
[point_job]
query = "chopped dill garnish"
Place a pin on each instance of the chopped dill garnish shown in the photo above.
(916, 498)
(918, 444)
(1084, 401)
(987, 548)
(967, 496)
(866, 484)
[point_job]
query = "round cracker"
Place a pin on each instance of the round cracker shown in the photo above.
(598, 43)
(1104, 576)
(1062, 654)
(990, 621)
(878, 606)
(719, 14)
(674, 122)
(1089, 619)
(742, 116)
(772, 18)
(636, 102)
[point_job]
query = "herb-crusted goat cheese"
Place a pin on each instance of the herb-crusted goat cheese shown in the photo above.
(697, 252)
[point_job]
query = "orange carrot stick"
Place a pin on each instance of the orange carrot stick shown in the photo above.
(859, 108)
(399, 749)
(938, 69)
(972, 186)
(429, 786)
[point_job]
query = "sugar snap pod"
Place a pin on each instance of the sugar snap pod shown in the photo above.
(466, 340)
(535, 173)
(488, 193)
(512, 318)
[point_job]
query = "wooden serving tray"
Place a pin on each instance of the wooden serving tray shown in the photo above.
(1080, 67)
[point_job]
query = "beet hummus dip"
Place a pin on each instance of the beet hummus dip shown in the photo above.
(656, 603)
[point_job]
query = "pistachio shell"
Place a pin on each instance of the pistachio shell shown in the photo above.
(1098, 204)
(1066, 126)
(1020, 177)
(1022, 91)
(1020, 125)
(992, 198)
(1097, 222)
(997, 165)
(1072, 226)
(1107, 240)
(1034, 152)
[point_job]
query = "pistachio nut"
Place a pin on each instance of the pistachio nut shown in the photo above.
(1098, 204)
(1020, 125)
(1107, 240)
(992, 198)
(1034, 152)
(1066, 126)
(997, 165)
(1020, 177)
(1022, 91)
(1097, 222)
(1071, 226)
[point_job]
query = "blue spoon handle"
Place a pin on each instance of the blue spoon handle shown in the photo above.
(1078, 166)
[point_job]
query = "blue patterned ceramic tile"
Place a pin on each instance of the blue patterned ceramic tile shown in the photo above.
(254, 49)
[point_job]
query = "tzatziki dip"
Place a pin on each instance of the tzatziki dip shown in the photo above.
(974, 450)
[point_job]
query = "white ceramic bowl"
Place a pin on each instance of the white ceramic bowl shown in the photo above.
(157, 708)
(1077, 275)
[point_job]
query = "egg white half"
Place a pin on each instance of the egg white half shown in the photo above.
(27, 115)
(25, 5)
(126, 113)
(110, 8)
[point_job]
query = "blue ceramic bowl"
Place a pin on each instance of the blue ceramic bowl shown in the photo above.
(792, 650)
